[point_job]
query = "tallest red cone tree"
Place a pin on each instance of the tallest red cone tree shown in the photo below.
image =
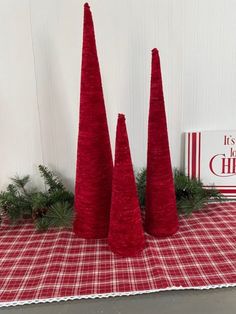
(94, 159)
(161, 212)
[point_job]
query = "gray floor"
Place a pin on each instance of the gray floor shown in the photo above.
(214, 301)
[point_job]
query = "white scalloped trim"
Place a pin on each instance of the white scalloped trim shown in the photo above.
(113, 294)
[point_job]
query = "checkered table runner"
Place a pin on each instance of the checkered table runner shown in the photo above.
(52, 266)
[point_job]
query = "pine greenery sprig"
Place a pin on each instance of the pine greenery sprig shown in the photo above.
(50, 179)
(60, 196)
(42, 224)
(18, 202)
(141, 185)
(12, 189)
(20, 183)
(60, 214)
(15, 201)
(40, 200)
(190, 193)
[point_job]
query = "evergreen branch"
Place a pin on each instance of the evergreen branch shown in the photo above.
(19, 202)
(190, 193)
(141, 186)
(50, 179)
(42, 224)
(11, 189)
(60, 214)
(20, 183)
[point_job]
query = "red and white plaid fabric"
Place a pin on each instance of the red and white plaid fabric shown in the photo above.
(43, 267)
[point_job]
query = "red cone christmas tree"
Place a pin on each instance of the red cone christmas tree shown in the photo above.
(161, 212)
(126, 236)
(94, 159)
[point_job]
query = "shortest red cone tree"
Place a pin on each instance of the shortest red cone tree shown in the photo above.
(126, 235)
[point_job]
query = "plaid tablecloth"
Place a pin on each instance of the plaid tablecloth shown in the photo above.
(52, 266)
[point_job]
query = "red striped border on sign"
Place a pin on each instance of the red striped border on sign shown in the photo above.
(194, 155)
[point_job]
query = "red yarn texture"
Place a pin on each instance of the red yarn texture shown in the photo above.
(161, 212)
(126, 236)
(94, 159)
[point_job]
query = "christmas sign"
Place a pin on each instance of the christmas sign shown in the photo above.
(211, 157)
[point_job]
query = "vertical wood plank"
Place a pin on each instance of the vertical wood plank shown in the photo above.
(19, 124)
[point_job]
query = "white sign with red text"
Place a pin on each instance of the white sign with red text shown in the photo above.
(211, 157)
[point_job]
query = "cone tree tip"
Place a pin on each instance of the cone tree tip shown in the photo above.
(121, 116)
(86, 5)
(155, 51)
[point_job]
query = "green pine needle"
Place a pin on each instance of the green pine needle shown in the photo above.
(42, 224)
(50, 179)
(39, 200)
(141, 186)
(11, 189)
(60, 214)
(20, 182)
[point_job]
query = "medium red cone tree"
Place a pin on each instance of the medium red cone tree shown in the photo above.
(161, 213)
(126, 236)
(94, 160)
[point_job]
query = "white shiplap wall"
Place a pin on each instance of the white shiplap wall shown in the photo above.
(19, 119)
(40, 56)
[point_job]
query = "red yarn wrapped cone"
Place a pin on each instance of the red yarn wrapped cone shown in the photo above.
(161, 218)
(94, 160)
(126, 236)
